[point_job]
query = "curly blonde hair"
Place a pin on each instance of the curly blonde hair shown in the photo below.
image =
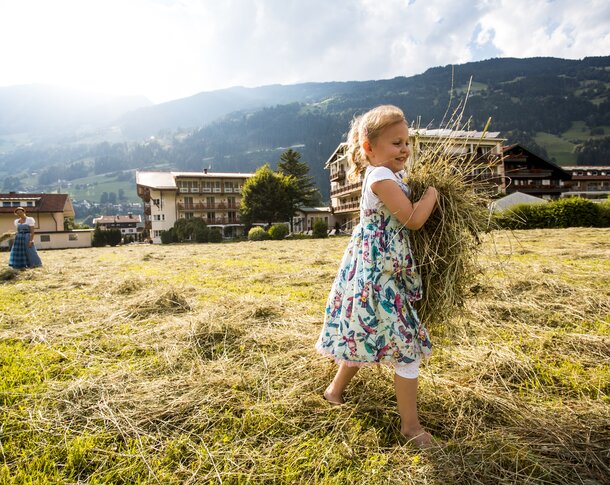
(368, 127)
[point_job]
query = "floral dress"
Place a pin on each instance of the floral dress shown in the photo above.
(369, 317)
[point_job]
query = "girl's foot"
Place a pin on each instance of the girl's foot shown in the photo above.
(334, 399)
(420, 438)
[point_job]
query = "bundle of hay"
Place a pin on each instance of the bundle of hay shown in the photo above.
(446, 247)
(6, 235)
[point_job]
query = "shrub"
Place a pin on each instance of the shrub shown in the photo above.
(99, 238)
(278, 231)
(215, 235)
(573, 212)
(202, 234)
(570, 212)
(523, 216)
(168, 236)
(603, 210)
(257, 234)
(320, 229)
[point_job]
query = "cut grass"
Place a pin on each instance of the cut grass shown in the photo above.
(186, 364)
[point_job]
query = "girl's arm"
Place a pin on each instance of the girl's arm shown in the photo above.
(412, 215)
(32, 235)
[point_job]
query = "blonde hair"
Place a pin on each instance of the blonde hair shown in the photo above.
(368, 127)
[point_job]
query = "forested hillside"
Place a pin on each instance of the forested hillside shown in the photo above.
(558, 108)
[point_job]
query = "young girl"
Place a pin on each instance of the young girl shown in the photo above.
(369, 317)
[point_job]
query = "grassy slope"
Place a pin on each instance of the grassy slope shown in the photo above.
(563, 148)
(194, 363)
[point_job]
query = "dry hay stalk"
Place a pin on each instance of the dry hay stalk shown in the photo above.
(446, 247)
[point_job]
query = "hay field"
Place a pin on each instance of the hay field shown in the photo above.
(195, 364)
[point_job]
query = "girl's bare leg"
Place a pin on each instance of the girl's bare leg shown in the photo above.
(334, 392)
(406, 397)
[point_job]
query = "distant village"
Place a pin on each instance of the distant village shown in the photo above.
(514, 173)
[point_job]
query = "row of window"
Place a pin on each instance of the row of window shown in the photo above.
(229, 185)
(13, 203)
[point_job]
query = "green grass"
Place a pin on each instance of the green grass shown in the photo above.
(557, 147)
(100, 184)
(195, 364)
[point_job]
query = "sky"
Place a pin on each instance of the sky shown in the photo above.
(170, 49)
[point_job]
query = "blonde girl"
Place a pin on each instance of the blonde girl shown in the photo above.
(369, 316)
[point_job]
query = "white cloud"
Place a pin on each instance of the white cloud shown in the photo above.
(173, 48)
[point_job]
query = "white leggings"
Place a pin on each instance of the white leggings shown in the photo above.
(410, 370)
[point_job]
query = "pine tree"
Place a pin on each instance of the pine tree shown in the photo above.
(307, 194)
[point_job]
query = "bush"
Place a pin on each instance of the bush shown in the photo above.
(573, 212)
(257, 234)
(99, 238)
(604, 214)
(215, 235)
(202, 234)
(168, 236)
(320, 229)
(569, 212)
(278, 231)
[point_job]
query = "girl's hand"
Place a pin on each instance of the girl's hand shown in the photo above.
(30, 244)
(432, 192)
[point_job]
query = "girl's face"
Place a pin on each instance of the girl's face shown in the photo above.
(391, 148)
(20, 213)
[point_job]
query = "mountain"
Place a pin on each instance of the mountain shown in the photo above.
(557, 108)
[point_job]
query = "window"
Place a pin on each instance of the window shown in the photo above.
(45, 238)
(158, 217)
(30, 203)
(157, 233)
(188, 215)
(6, 204)
(72, 237)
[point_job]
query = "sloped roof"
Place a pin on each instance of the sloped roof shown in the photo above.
(447, 133)
(167, 180)
(157, 180)
(42, 202)
(117, 219)
(515, 198)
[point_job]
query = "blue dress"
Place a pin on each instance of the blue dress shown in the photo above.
(369, 317)
(23, 256)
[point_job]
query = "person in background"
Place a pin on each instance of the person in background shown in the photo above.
(23, 253)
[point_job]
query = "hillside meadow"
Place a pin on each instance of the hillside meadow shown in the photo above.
(195, 364)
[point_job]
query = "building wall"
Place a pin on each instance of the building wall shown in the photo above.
(162, 216)
(64, 239)
(44, 222)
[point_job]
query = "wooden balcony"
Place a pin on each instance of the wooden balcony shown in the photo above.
(222, 220)
(338, 175)
(536, 189)
(202, 206)
(529, 173)
(346, 189)
(347, 207)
